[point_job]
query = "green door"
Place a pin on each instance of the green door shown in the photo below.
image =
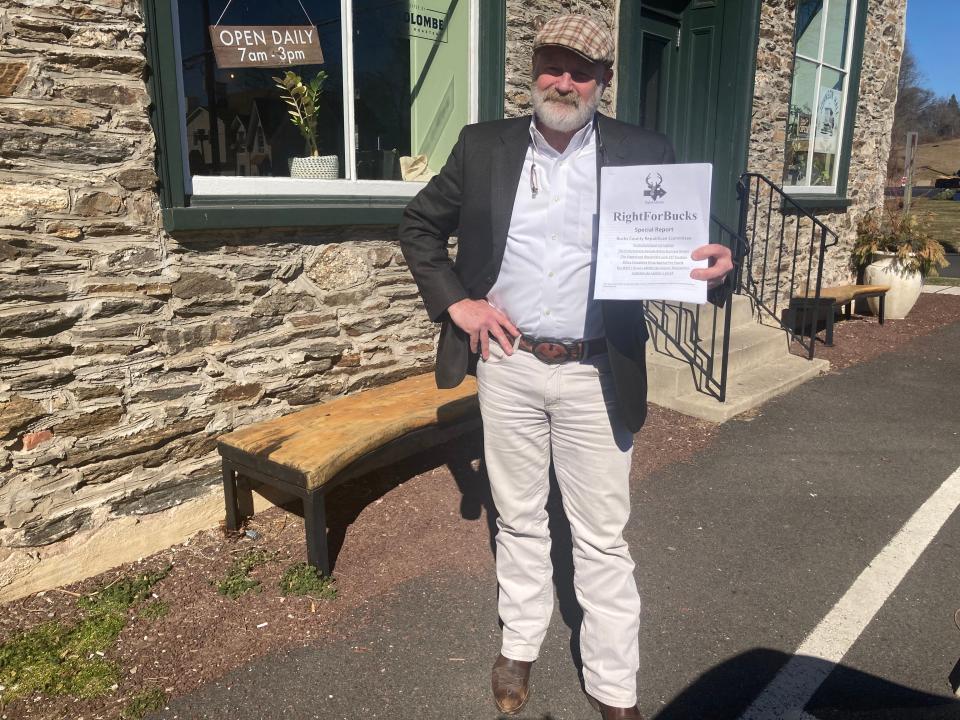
(657, 73)
(686, 70)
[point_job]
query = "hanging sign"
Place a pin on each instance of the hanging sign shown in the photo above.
(237, 46)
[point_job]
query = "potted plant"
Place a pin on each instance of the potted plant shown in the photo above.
(303, 99)
(896, 249)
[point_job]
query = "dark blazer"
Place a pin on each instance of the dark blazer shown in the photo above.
(472, 197)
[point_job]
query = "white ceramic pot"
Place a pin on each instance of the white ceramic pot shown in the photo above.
(322, 167)
(904, 286)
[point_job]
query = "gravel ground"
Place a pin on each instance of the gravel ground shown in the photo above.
(431, 511)
(863, 338)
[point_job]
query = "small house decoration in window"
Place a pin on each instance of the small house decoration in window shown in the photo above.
(303, 100)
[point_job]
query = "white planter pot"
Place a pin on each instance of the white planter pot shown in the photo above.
(322, 167)
(904, 286)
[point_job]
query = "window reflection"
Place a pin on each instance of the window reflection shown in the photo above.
(410, 83)
(807, 32)
(237, 122)
(818, 93)
(799, 121)
(411, 68)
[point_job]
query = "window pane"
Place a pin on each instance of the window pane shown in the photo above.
(411, 74)
(827, 136)
(807, 33)
(252, 133)
(798, 122)
(835, 42)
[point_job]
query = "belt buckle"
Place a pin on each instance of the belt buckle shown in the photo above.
(551, 353)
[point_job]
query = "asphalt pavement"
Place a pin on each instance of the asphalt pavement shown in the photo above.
(807, 564)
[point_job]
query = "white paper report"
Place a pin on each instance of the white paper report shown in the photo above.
(651, 218)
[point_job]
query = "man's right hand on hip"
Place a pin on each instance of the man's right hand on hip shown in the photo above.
(479, 319)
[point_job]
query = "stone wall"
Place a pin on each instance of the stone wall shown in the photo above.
(124, 351)
(871, 139)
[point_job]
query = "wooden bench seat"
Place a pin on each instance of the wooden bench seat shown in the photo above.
(307, 453)
(831, 298)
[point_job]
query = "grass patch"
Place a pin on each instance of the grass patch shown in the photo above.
(936, 280)
(154, 610)
(944, 219)
(120, 595)
(54, 659)
(934, 160)
(303, 579)
(143, 703)
(238, 580)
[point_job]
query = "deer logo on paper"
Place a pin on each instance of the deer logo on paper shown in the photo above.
(655, 191)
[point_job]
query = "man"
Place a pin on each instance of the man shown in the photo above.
(560, 376)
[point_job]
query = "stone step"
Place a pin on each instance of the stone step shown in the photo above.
(746, 389)
(689, 316)
(750, 346)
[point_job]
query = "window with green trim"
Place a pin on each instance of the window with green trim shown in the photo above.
(822, 95)
(397, 83)
(396, 86)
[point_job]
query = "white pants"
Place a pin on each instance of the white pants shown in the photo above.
(532, 410)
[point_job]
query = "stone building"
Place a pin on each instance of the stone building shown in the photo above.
(151, 299)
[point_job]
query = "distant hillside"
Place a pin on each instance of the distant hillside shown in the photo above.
(932, 160)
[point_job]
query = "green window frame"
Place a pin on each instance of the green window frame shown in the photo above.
(834, 197)
(181, 212)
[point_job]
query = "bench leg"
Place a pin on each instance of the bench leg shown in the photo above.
(829, 339)
(237, 496)
(882, 298)
(791, 319)
(230, 496)
(315, 520)
(799, 318)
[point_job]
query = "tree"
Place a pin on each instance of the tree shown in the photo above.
(920, 110)
(913, 100)
(941, 120)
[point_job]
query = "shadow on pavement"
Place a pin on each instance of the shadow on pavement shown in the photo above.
(561, 555)
(470, 475)
(346, 502)
(726, 690)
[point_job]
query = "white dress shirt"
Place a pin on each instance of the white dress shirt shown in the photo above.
(545, 281)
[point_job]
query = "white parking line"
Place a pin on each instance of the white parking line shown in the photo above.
(787, 694)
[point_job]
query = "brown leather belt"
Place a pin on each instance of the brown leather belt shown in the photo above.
(553, 352)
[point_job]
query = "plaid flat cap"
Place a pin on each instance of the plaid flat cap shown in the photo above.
(584, 35)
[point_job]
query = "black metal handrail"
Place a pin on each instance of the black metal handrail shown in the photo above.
(784, 261)
(692, 333)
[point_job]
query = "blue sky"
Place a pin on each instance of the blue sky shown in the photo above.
(933, 31)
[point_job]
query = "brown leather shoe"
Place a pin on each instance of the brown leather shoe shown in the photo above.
(609, 712)
(511, 684)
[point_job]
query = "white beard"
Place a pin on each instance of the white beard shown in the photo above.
(560, 114)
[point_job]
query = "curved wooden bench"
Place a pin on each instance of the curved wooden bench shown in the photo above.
(839, 296)
(309, 452)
